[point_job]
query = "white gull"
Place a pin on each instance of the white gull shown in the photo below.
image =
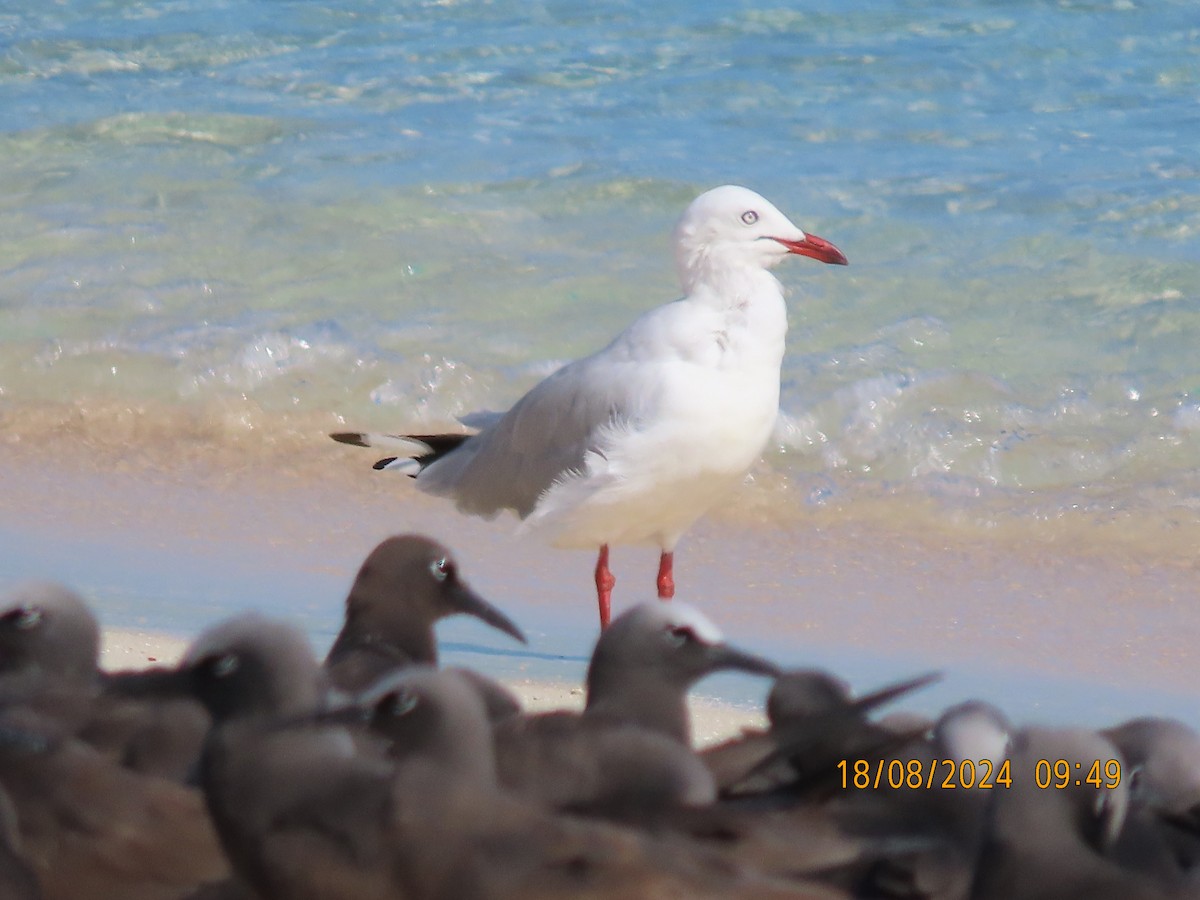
(637, 441)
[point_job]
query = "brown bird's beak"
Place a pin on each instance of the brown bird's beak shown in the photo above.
(723, 657)
(467, 601)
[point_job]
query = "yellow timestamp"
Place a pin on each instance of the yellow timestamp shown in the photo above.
(927, 774)
(966, 774)
(1059, 774)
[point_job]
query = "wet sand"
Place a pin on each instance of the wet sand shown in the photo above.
(171, 541)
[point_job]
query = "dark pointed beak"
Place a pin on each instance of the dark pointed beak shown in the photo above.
(816, 248)
(868, 702)
(1187, 821)
(724, 657)
(339, 711)
(467, 601)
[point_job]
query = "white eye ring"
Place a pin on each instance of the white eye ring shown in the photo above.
(749, 217)
(1134, 778)
(440, 568)
(402, 702)
(679, 636)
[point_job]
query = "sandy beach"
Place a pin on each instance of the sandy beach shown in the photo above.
(167, 541)
(712, 719)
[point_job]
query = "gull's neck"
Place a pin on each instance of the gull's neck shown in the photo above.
(750, 313)
(730, 285)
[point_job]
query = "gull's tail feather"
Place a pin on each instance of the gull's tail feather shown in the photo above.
(413, 451)
(401, 443)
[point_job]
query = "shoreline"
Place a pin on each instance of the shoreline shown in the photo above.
(227, 443)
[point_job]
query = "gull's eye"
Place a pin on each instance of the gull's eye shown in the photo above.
(440, 568)
(749, 217)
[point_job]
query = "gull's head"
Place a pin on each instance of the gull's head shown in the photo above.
(732, 227)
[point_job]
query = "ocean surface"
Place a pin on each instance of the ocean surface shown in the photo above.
(279, 215)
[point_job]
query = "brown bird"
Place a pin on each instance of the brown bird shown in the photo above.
(630, 749)
(405, 585)
(89, 825)
(316, 819)
(1049, 836)
(815, 724)
(18, 881)
(49, 653)
(1162, 831)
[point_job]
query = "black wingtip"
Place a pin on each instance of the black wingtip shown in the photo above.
(384, 463)
(354, 438)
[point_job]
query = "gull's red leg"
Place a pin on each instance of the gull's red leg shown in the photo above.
(604, 586)
(666, 576)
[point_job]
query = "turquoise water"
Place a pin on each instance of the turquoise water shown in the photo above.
(272, 214)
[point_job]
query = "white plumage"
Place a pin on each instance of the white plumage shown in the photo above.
(635, 442)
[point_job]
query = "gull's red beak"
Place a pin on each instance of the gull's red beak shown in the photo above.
(817, 248)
